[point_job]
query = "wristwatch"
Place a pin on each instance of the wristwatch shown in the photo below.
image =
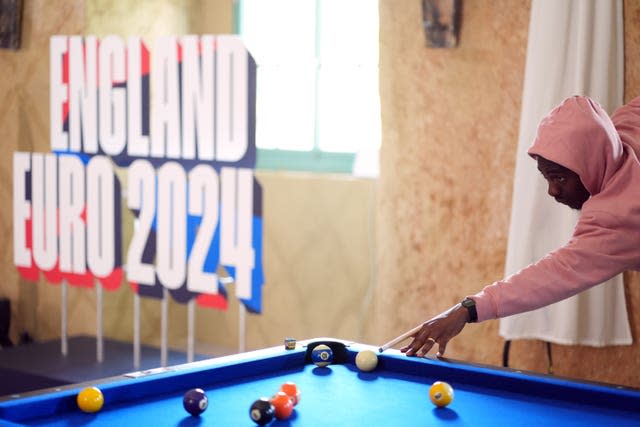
(470, 305)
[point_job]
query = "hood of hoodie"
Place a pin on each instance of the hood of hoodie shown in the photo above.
(579, 135)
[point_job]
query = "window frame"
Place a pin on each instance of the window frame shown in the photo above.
(315, 160)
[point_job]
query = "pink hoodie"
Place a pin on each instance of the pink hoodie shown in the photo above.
(579, 135)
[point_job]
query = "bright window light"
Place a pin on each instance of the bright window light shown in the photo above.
(317, 75)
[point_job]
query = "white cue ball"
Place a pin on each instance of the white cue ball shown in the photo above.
(366, 360)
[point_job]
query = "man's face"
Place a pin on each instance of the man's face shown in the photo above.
(564, 184)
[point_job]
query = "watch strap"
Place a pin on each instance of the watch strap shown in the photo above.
(470, 305)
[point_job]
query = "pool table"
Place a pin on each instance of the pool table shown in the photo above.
(396, 393)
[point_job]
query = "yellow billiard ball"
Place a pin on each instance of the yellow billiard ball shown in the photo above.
(90, 399)
(366, 360)
(441, 394)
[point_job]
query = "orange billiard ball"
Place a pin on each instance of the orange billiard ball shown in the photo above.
(292, 391)
(283, 405)
(441, 394)
(90, 399)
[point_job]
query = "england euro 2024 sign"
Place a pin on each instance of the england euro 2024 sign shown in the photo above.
(179, 121)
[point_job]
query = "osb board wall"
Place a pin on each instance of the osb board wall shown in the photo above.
(24, 126)
(450, 122)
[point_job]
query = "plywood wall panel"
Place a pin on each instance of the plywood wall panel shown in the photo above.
(450, 127)
(450, 123)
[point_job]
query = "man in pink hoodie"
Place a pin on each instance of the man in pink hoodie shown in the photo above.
(590, 162)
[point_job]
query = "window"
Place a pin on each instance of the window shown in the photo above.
(317, 81)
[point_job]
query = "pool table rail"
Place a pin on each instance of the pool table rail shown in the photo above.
(135, 386)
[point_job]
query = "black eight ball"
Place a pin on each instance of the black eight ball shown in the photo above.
(262, 411)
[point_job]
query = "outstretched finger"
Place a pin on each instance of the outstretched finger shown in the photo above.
(429, 342)
(442, 346)
(411, 349)
(417, 343)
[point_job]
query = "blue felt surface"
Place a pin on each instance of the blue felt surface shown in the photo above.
(396, 394)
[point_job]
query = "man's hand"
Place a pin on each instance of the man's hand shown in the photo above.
(439, 330)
